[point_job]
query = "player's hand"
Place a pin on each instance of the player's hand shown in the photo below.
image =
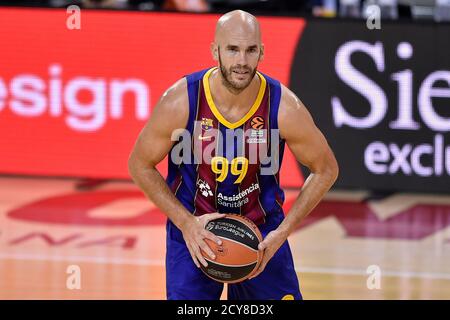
(194, 233)
(268, 247)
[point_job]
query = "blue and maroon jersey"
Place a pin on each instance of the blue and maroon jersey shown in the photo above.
(232, 179)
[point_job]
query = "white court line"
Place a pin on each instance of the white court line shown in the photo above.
(161, 263)
(362, 272)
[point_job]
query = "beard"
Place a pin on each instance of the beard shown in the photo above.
(227, 76)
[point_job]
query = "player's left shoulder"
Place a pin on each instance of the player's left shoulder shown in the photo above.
(291, 111)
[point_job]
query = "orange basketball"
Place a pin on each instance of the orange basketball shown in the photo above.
(238, 256)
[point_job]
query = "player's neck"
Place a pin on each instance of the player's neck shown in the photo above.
(229, 97)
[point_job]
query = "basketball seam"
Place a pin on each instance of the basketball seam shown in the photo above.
(231, 265)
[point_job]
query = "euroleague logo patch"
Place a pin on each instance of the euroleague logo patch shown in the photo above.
(257, 123)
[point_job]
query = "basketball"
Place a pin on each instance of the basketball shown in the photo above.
(238, 256)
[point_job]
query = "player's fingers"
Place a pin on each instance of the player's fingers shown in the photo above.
(199, 256)
(204, 246)
(254, 274)
(194, 258)
(261, 267)
(213, 216)
(265, 243)
(258, 271)
(211, 236)
(262, 245)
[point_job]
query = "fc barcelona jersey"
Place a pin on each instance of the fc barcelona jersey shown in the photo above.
(229, 167)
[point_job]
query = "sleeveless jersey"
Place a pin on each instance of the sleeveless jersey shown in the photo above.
(229, 182)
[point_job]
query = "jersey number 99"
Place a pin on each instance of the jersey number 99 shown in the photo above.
(220, 166)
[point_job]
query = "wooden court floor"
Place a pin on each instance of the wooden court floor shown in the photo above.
(58, 242)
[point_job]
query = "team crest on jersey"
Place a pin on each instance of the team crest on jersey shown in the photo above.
(207, 124)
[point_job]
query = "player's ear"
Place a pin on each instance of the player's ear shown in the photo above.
(261, 54)
(214, 51)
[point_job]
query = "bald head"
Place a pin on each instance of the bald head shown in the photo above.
(237, 48)
(237, 24)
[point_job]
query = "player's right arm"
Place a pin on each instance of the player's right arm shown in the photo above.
(153, 144)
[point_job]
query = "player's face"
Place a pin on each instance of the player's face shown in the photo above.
(238, 64)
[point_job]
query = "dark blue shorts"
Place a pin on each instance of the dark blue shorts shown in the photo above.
(184, 281)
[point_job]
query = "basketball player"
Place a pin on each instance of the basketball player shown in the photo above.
(208, 104)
